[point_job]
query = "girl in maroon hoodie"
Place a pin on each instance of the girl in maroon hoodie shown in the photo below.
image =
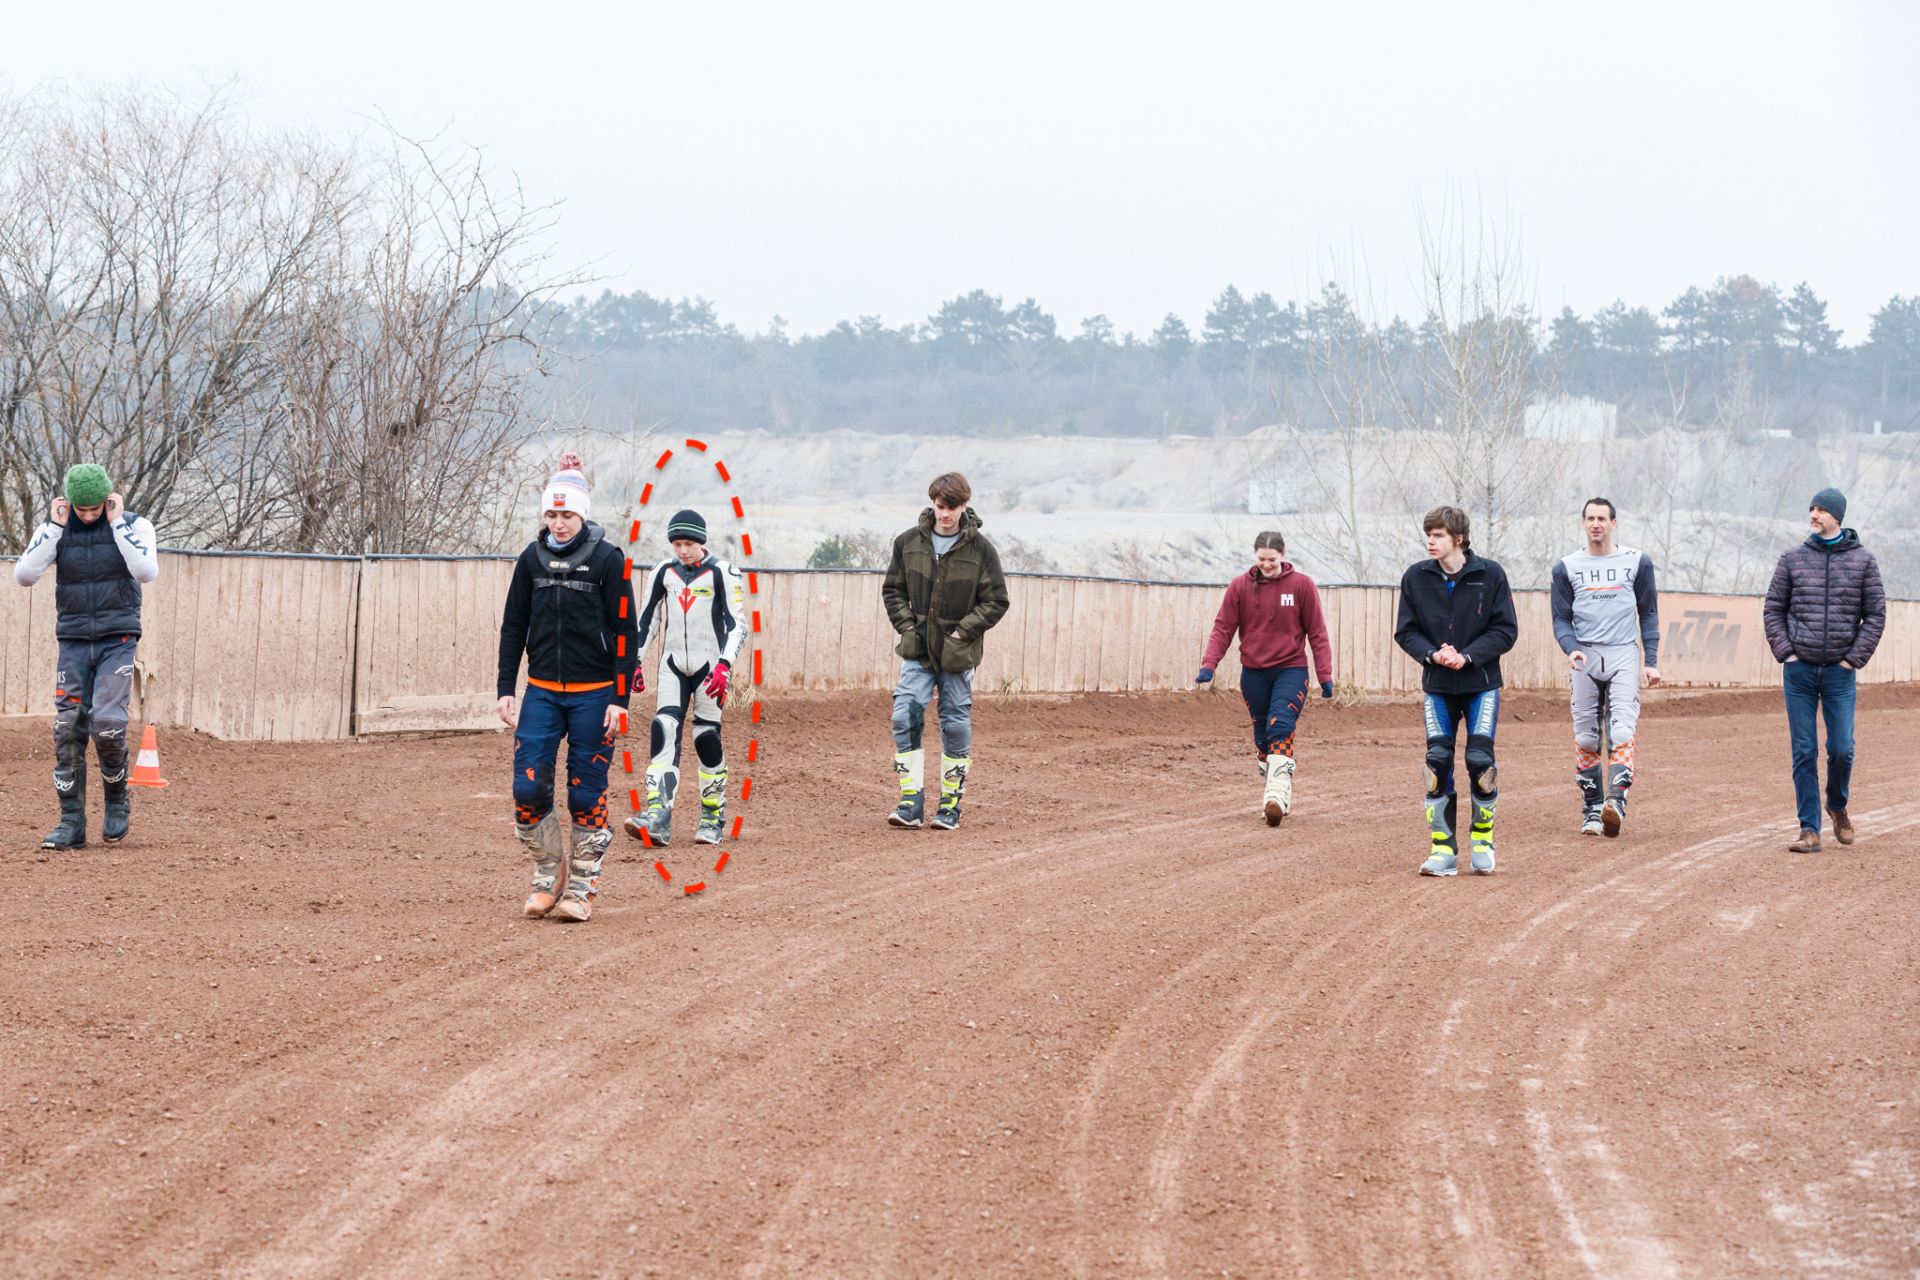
(1276, 610)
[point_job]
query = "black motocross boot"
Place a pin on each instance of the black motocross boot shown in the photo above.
(72, 831)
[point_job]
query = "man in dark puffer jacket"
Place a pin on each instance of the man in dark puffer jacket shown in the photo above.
(1824, 614)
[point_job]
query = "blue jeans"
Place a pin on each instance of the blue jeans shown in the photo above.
(546, 717)
(1274, 697)
(1827, 687)
(910, 698)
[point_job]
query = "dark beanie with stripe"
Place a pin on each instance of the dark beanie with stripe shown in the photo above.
(687, 524)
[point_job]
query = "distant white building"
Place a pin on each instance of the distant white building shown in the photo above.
(1273, 496)
(1572, 420)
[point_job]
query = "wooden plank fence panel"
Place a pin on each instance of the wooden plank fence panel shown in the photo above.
(303, 649)
(17, 651)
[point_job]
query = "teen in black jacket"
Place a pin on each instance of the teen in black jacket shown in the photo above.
(570, 610)
(1456, 619)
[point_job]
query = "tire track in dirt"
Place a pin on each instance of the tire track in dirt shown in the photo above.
(1596, 1176)
(1101, 1049)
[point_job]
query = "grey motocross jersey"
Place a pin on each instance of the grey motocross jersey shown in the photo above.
(700, 612)
(1606, 600)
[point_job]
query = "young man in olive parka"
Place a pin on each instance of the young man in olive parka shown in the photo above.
(944, 590)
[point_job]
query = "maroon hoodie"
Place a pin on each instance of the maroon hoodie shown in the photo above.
(1276, 618)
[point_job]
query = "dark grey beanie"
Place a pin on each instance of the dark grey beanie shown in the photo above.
(1831, 501)
(687, 524)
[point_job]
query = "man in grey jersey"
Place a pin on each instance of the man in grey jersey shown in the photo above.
(1604, 600)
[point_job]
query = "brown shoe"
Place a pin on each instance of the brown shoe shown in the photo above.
(1809, 842)
(539, 904)
(1842, 826)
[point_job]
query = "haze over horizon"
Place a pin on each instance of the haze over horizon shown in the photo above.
(830, 163)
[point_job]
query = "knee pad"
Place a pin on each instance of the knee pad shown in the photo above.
(533, 786)
(1587, 742)
(909, 725)
(706, 743)
(956, 737)
(1439, 767)
(1480, 767)
(666, 735)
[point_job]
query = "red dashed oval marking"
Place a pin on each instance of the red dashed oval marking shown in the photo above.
(753, 587)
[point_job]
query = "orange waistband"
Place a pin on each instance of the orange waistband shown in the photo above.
(554, 686)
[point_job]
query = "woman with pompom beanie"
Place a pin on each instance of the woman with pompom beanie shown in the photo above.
(570, 611)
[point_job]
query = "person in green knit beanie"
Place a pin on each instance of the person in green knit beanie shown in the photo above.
(100, 554)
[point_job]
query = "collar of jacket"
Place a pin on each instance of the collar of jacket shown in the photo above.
(1286, 568)
(688, 572)
(969, 521)
(1473, 564)
(1848, 540)
(575, 552)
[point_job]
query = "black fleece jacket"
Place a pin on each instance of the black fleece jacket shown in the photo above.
(571, 636)
(1477, 618)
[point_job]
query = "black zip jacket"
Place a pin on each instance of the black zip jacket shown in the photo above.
(1477, 619)
(572, 614)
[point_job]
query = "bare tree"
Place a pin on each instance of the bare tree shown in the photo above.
(272, 342)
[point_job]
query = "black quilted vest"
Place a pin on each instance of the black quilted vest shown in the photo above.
(93, 591)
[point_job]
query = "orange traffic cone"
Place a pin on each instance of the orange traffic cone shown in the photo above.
(146, 766)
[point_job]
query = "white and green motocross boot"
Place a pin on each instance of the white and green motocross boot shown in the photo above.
(713, 806)
(907, 770)
(1444, 857)
(953, 786)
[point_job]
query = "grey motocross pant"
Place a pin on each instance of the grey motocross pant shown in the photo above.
(91, 691)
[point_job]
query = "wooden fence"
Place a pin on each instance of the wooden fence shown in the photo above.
(305, 648)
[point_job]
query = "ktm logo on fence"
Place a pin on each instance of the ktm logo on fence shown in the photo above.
(1702, 638)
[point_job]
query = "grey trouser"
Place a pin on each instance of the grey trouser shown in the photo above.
(1615, 667)
(910, 698)
(91, 691)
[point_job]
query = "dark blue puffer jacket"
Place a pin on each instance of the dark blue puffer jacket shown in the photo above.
(1825, 603)
(95, 593)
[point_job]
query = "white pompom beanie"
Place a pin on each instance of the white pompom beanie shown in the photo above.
(567, 491)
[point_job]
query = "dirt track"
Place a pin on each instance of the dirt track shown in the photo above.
(1115, 1026)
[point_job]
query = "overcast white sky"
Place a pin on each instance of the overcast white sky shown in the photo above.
(825, 160)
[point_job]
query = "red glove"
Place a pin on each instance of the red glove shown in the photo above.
(717, 682)
(640, 678)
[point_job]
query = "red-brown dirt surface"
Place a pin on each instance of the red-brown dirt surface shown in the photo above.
(1115, 1026)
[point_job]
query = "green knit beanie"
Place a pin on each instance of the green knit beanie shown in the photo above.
(87, 484)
